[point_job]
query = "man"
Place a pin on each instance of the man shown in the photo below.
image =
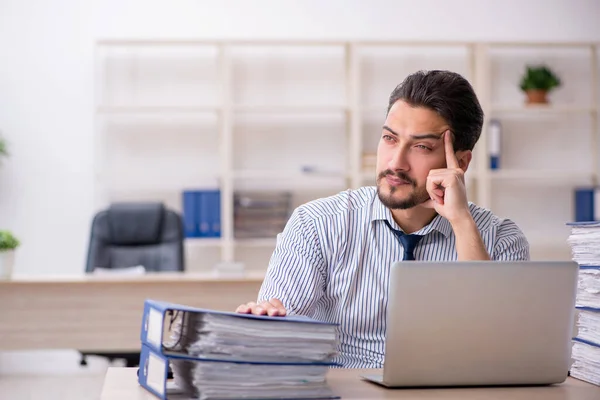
(333, 259)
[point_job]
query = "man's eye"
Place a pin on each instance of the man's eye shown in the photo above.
(423, 147)
(388, 138)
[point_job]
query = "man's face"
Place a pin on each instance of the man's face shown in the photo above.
(411, 144)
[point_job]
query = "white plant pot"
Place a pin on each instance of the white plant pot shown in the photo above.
(7, 263)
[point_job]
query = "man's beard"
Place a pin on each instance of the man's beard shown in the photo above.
(418, 195)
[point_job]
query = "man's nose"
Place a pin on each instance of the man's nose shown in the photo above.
(399, 160)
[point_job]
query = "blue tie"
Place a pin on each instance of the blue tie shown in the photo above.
(409, 242)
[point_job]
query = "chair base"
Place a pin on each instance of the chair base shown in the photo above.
(131, 359)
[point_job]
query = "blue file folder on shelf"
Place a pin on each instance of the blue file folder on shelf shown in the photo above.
(217, 353)
(587, 204)
(202, 213)
(189, 214)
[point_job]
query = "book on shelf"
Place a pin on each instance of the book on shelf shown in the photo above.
(587, 204)
(224, 355)
(584, 241)
(202, 213)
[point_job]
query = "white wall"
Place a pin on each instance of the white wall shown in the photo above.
(46, 81)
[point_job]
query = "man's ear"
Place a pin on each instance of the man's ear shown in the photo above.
(464, 158)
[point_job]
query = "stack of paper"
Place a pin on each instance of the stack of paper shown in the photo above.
(218, 355)
(585, 247)
(260, 214)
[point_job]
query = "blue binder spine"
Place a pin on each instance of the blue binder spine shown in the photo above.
(153, 372)
(215, 214)
(189, 214)
(153, 318)
(587, 204)
(202, 217)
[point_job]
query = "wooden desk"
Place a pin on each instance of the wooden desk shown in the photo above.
(121, 384)
(103, 312)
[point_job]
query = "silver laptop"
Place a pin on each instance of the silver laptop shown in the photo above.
(479, 323)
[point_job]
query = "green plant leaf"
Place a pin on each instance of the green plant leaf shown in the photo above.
(539, 77)
(3, 148)
(8, 241)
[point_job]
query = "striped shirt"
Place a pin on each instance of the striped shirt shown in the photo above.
(332, 263)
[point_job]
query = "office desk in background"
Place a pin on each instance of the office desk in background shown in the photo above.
(104, 312)
(121, 384)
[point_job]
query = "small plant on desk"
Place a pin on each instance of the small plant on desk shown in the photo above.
(3, 148)
(8, 245)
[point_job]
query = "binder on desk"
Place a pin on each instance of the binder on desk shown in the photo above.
(305, 340)
(231, 379)
(216, 355)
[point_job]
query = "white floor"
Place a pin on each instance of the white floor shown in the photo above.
(50, 375)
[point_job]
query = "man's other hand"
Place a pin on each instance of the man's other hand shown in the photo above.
(273, 307)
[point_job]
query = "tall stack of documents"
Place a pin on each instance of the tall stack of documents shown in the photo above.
(585, 247)
(220, 355)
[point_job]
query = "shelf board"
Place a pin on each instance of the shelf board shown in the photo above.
(123, 190)
(203, 242)
(558, 176)
(543, 109)
(216, 242)
(268, 174)
(292, 180)
(124, 110)
(295, 109)
(258, 242)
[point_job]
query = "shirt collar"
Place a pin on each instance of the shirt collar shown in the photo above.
(381, 213)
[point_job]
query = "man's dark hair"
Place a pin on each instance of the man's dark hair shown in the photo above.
(448, 94)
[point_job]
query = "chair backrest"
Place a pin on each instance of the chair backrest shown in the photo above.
(132, 234)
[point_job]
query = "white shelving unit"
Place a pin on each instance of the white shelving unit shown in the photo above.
(250, 115)
(548, 150)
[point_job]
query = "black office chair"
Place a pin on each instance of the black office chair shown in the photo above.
(133, 234)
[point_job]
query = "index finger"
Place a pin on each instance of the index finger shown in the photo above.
(451, 160)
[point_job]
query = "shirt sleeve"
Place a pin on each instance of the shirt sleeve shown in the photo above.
(296, 272)
(511, 243)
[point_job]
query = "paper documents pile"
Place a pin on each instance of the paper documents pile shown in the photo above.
(218, 355)
(585, 248)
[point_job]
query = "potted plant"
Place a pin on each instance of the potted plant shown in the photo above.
(3, 149)
(8, 244)
(537, 82)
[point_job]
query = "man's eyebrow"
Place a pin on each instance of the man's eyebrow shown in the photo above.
(436, 136)
(387, 128)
